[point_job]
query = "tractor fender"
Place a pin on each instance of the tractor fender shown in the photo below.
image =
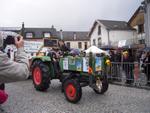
(70, 76)
(41, 58)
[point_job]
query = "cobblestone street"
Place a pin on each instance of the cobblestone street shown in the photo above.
(23, 98)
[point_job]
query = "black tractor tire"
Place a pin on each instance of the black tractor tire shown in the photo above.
(104, 87)
(2, 86)
(72, 90)
(40, 75)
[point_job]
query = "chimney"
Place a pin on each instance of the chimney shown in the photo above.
(74, 36)
(22, 29)
(22, 25)
(52, 27)
(61, 34)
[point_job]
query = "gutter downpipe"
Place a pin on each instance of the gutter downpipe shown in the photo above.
(108, 37)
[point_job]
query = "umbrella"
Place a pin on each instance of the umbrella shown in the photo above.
(95, 50)
(75, 51)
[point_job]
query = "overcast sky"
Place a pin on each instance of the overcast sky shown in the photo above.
(64, 14)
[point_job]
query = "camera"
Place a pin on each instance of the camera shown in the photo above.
(9, 40)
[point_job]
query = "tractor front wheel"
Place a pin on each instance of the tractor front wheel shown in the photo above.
(40, 76)
(72, 90)
(102, 87)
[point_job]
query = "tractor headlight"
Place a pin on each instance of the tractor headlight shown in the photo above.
(108, 62)
(90, 70)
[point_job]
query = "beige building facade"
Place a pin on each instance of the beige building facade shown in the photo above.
(75, 39)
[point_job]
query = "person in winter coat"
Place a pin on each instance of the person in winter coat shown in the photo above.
(128, 66)
(146, 66)
(12, 71)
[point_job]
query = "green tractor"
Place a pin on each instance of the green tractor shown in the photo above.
(74, 72)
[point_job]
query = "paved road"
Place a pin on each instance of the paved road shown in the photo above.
(24, 99)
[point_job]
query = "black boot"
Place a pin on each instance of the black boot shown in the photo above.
(2, 86)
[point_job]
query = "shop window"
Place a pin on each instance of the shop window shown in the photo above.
(29, 35)
(68, 44)
(94, 42)
(79, 45)
(85, 45)
(99, 30)
(47, 35)
(99, 42)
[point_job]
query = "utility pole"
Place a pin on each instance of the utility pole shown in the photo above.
(22, 29)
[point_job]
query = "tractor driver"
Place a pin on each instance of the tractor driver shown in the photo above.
(55, 55)
(62, 46)
(11, 71)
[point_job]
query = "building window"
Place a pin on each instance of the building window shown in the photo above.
(99, 42)
(85, 45)
(94, 42)
(140, 28)
(68, 44)
(99, 30)
(47, 35)
(29, 35)
(80, 45)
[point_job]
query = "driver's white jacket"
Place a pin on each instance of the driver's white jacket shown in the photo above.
(11, 71)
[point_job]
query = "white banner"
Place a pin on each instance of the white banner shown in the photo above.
(85, 64)
(32, 46)
(122, 43)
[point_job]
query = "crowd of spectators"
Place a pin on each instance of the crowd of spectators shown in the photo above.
(126, 59)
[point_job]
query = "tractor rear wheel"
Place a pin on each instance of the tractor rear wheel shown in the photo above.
(72, 90)
(103, 86)
(40, 75)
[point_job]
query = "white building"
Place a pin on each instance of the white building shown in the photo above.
(109, 33)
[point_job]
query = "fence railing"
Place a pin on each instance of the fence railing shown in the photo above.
(135, 74)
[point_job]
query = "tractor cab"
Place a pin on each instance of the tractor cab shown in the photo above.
(50, 45)
(50, 53)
